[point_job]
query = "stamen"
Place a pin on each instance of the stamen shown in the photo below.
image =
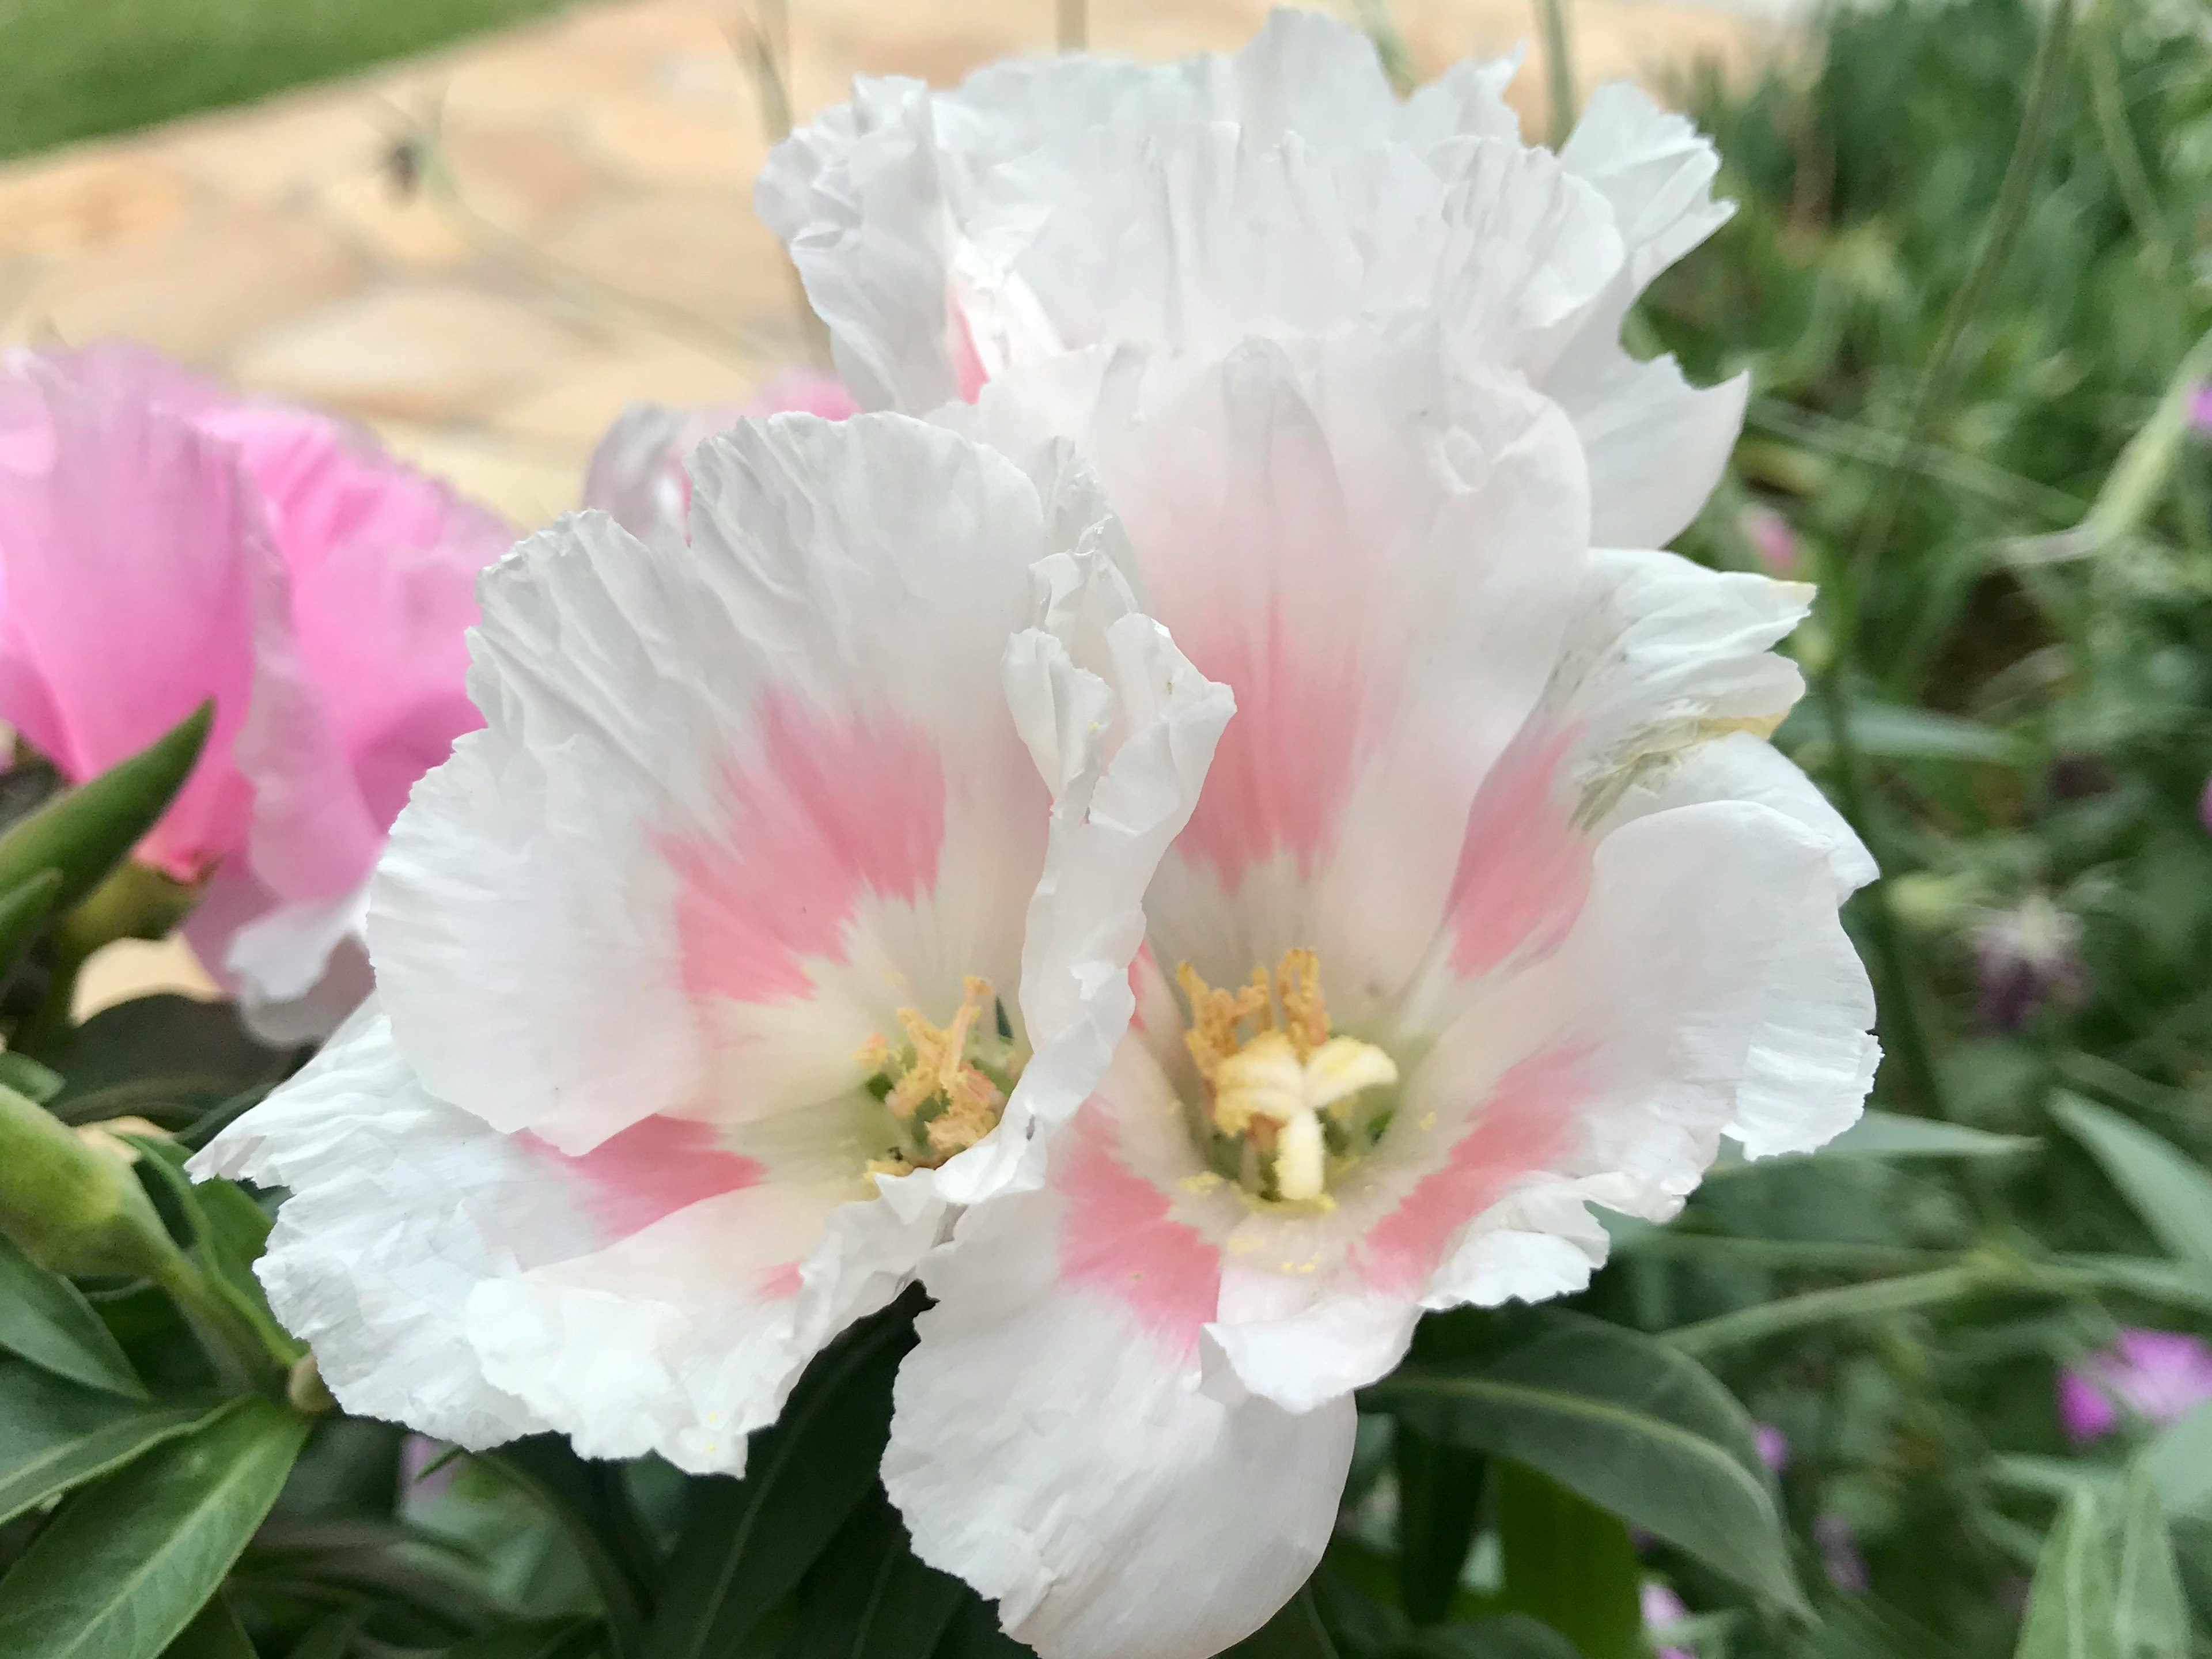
(934, 1087)
(1268, 1087)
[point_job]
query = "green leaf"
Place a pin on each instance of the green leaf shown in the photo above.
(228, 1231)
(44, 1319)
(1439, 1497)
(1627, 1422)
(1295, 1632)
(215, 1634)
(2155, 1280)
(1503, 1636)
(25, 909)
(1889, 1137)
(746, 1544)
(1569, 1565)
(166, 1057)
(1900, 732)
(125, 1566)
(1895, 1135)
(2178, 1462)
(85, 833)
(875, 1600)
(2071, 1613)
(2172, 1194)
(2154, 1617)
(27, 1078)
(55, 1435)
(541, 1638)
(566, 1487)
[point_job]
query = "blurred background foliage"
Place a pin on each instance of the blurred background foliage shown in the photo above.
(73, 70)
(1817, 1418)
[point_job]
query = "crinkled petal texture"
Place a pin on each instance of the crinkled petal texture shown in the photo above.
(162, 543)
(1050, 205)
(636, 474)
(1515, 796)
(601, 1162)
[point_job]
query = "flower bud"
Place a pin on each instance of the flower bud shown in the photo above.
(73, 1205)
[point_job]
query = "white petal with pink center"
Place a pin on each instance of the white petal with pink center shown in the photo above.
(1051, 204)
(1496, 905)
(744, 940)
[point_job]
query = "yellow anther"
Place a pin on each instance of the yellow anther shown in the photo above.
(1270, 1085)
(937, 1068)
(1216, 1014)
(1297, 985)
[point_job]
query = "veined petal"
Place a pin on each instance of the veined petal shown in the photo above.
(1378, 555)
(1047, 207)
(399, 1207)
(615, 890)
(635, 475)
(1055, 1445)
(1705, 987)
(1657, 445)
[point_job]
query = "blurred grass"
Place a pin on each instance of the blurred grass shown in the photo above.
(74, 68)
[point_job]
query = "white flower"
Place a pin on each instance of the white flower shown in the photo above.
(698, 967)
(1496, 904)
(1050, 205)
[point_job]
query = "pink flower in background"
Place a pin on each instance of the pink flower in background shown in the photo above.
(2160, 1375)
(2200, 410)
(1771, 538)
(2204, 804)
(1663, 1610)
(636, 474)
(163, 542)
(1773, 1447)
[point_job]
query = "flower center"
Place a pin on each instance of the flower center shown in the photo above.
(945, 1086)
(1289, 1104)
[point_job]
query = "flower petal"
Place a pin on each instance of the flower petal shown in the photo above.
(399, 1206)
(576, 905)
(1656, 444)
(1065, 1457)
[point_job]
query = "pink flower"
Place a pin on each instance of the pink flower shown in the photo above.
(163, 542)
(1771, 538)
(2159, 1375)
(1663, 1609)
(636, 474)
(2200, 409)
(1773, 1447)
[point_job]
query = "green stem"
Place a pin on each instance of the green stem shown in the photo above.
(1797, 1313)
(47, 1032)
(1787, 1255)
(1559, 67)
(1935, 461)
(1903, 1021)
(241, 1360)
(2128, 173)
(1995, 1270)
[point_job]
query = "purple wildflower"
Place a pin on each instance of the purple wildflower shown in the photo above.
(2159, 1376)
